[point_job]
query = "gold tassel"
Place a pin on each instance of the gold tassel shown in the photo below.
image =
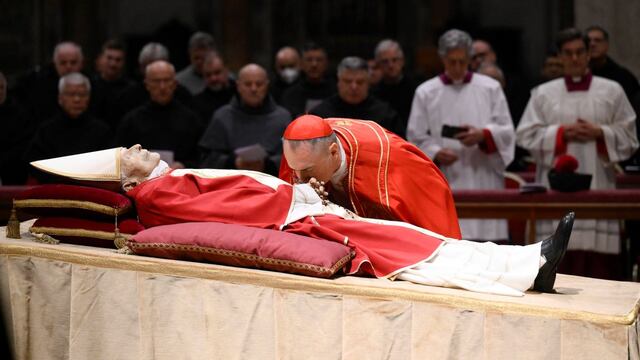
(13, 225)
(119, 240)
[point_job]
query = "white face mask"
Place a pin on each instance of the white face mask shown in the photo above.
(289, 75)
(160, 169)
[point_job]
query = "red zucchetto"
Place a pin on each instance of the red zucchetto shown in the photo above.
(307, 127)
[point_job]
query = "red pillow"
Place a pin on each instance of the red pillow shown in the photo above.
(71, 199)
(86, 232)
(244, 246)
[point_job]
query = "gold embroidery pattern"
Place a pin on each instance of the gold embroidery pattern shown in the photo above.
(69, 204)
(102, 235)
(384, 157)
(353, 197)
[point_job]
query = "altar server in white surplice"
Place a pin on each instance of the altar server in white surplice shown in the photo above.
(588, 117)
(476, 156)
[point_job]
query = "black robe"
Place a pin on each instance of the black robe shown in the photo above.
(62, 136)
(17, 129)
(136, 95)
(304, 96)
(235, 125)
(208, 101)
(399, 96)
(172, 127)
(370, 109)
(103, 98)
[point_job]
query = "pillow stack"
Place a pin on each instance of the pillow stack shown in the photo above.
(78, 214)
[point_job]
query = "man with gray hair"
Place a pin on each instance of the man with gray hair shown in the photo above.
(200, 44)
(162, 122)
(461, 120)
(353, 99)
(136, 94)
(395, 87)
(73, 130)
(39, 91)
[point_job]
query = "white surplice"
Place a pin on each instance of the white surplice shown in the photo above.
(552, 105)
(479, 103)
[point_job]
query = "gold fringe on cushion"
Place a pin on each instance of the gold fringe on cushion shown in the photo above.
(13, 225)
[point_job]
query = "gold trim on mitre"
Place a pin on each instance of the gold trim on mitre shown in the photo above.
(103, 165)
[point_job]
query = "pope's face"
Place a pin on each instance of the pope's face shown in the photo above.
(307, 163)
(136, 162)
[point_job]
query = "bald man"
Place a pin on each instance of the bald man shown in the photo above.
(287, 71)
(245, 134)
(162, 122)
(38, 90)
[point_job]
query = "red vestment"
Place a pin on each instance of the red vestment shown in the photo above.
(389, 178)
(381, 250)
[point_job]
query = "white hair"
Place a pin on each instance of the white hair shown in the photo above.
(60, 46)
(387, 44)
(454, 39)
(73, 78)
(151, 52)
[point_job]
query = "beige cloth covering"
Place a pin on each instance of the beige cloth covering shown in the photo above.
(74, 302)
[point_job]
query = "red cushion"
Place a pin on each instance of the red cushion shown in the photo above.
(239, 245)
(60, 199)
(84, 231)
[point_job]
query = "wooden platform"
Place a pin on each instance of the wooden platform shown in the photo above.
(76, 302)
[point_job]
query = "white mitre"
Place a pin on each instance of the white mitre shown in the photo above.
(100, 168)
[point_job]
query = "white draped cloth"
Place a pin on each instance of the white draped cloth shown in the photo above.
(552, 105)
(479, 103)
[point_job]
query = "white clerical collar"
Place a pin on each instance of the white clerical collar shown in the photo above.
(160, 169)
(338, 176)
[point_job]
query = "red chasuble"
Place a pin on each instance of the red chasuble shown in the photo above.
(236, 199)
(389, 178)
(381, 250)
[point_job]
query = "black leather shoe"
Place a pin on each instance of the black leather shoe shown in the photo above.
(553, 250)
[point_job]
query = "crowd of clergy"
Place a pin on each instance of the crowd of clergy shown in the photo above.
(206, 116)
